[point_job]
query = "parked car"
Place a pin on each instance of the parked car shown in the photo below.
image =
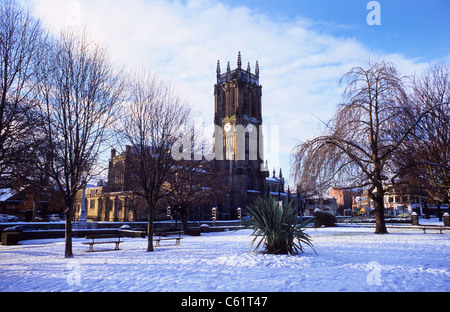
(20, 228)
(54, 217)
(8, 218)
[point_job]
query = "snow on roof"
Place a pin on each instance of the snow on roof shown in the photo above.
(5, 194)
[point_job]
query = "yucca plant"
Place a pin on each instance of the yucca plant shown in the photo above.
(277, 227)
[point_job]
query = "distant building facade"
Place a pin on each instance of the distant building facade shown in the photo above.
(275, 184)
(344, 199)
(324, 203)
(397, 200)
(107, 206)
(114, 199)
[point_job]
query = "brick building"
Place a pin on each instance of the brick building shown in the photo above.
(344, 198)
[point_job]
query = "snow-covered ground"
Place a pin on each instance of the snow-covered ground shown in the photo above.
(347, 259)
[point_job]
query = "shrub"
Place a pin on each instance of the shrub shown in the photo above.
(324, 219)
(277, 227)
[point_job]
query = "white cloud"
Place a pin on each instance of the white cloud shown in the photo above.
(300, 68)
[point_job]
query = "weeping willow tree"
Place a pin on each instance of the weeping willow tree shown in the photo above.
(358, 148)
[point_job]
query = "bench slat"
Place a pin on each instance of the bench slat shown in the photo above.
(95, 243)
(97, 236)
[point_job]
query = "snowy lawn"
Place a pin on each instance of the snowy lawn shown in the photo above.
(347, 259)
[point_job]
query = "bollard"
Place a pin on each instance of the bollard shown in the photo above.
(414, 218)
(446, 219)
(204, 228)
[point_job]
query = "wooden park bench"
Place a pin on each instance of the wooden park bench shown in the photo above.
(163, 236)
(95, 240)
(435, 227)
(424, 228)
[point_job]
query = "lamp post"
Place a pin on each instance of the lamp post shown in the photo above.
(214, 215)
(169, 214)
(82, 217)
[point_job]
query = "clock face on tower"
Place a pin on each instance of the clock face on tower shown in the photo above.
(227, 127)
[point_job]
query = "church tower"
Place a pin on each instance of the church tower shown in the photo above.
(238, 137)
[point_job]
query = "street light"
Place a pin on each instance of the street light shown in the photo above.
(169, 214)
(214, 215)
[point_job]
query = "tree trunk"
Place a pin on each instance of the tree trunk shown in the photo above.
(33, 217)
(380, 227)
(150, 229)
(378, 199)
(183, 216)
(427, 212)
(439, 211)
(68, 232)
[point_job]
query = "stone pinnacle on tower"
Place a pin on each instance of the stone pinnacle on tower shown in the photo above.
(239, 61)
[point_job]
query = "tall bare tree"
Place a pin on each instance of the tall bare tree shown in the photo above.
(22, 47)
(195, 180)
(81, 96)
(359, 149)
(152, 120)
(424, 160)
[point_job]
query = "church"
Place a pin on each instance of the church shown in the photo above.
(238, 149)
(239, 146)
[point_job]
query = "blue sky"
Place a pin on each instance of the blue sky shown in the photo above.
(303, 48)
(416, 28)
